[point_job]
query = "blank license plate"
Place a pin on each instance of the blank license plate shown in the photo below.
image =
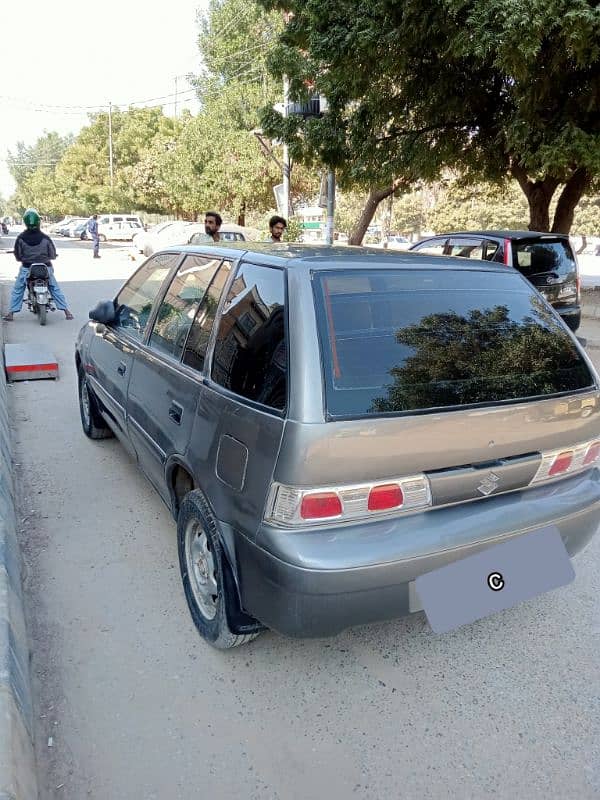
(494, 579)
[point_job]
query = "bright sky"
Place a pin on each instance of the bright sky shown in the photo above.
(58, 57)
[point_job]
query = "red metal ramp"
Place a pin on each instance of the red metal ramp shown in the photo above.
(26, 362)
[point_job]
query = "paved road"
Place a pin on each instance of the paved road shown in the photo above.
(138, 707)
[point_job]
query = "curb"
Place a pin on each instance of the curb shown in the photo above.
(18, 779)
(590, 303)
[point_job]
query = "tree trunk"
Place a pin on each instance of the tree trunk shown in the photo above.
(241, 220)
(539, 196)
(375, 197)
(575, 187)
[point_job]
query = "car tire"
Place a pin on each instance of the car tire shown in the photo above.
(92, 422)
(102, 237)
(210, 594)
(573, 321)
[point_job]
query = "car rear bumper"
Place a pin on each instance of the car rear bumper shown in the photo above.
(571, 315)
(318, 583)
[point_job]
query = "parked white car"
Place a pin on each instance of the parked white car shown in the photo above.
(173, 233)
(142, 237)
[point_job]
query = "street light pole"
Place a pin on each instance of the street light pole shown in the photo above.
(286, 154)
(110, 146)
(329, 228)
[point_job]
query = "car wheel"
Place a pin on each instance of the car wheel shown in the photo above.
(92, 422)
(102, 237)
(210, 596)
(573, 321)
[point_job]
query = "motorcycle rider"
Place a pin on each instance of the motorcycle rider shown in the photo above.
(34, 247)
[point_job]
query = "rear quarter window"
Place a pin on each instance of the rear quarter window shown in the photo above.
(396, 341)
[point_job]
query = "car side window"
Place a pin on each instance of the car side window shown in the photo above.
(466, 248)
(135, 300)
(180, 304)
(491, 250)
(434, 247)
(194, 353)
(250, 356)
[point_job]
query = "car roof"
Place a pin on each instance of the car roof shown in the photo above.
(292, 255)
(504, 234)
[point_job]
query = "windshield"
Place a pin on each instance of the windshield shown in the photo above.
(413, 340)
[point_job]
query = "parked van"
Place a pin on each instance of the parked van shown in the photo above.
(119, 226)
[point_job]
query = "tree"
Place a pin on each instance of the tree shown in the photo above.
(83, 174)
(491, 89)
(478, 206)
(33, 169)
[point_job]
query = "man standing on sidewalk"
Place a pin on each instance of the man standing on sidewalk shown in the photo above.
(92, 227)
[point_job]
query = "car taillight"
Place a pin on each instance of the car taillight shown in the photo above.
(385, 497)
(593, 453)
(507, 252)
(320, 505)
(289, 505)
(561, 463)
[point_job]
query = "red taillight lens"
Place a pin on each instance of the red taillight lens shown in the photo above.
(592, 453)
(320, 505)
(561, 463)
(387, 496)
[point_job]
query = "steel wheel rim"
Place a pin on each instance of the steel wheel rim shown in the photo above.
(85, 404)
(201, 569)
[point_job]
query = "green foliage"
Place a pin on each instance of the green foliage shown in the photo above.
(486, 87)
(479, 206)
(293, 232)
(587, 217)
(33, 169)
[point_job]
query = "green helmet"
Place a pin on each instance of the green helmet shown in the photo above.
(31, 218)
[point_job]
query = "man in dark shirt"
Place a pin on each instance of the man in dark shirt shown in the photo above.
(34, 247)
(92, 227)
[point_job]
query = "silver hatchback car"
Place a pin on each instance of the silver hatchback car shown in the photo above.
(328, 424)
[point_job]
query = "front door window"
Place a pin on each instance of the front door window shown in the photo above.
(135, 300)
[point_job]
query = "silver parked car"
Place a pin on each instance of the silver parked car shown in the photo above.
(329, 424)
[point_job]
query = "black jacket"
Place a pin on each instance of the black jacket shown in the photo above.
(33, 246)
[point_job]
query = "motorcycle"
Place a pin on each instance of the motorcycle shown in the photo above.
(39, 299)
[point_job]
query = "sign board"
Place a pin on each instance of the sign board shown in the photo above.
(280, 200)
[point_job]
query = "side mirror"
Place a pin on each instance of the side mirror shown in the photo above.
(104, 312)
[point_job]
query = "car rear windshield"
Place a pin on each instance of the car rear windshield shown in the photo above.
(543, 255)
(397, 341)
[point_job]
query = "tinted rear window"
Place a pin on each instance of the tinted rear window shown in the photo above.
(411, 340)
(547, 255)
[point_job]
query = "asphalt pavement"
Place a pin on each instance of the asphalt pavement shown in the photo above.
(130, 703)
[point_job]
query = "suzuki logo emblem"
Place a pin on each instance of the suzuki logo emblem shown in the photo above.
(489, 484)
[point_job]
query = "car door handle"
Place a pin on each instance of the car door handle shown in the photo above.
(122, 368)
(176, 413)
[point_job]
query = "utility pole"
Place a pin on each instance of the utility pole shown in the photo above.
(286, 154)
(329, 228)
(110, 146)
